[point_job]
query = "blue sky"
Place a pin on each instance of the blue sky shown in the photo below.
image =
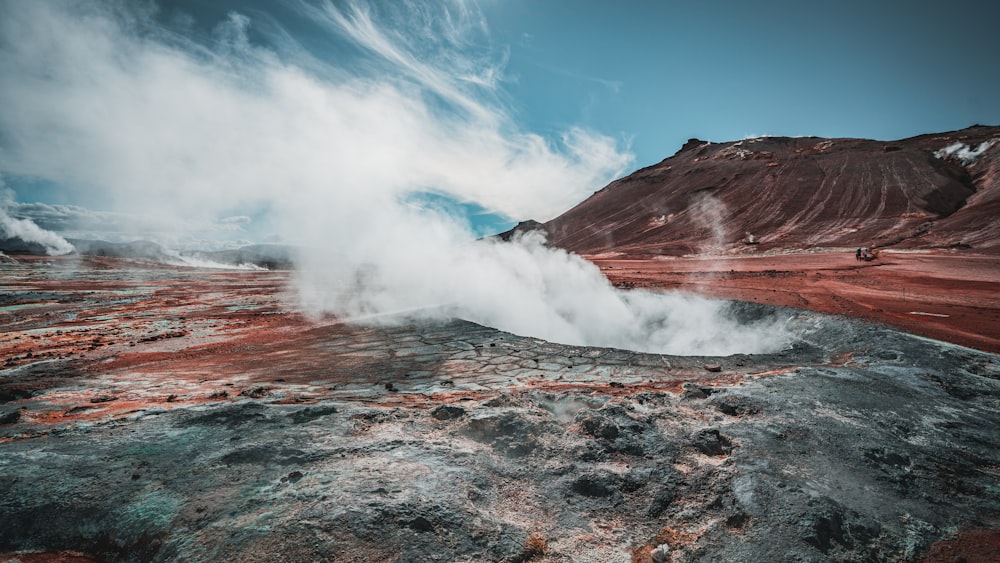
(655, 73)
(661, 72)
(196, 116)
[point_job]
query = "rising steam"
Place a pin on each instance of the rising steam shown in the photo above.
(527, 288)
(155, 123)
(27, 231)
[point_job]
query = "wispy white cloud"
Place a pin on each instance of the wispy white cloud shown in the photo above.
(613, 86)
(432, 49)
(120, 108)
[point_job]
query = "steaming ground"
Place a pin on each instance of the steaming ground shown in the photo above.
(522, 286)
(527, 288)
(167, 414)
(26, 230)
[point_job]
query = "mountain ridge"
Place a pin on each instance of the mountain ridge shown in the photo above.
(938, 190)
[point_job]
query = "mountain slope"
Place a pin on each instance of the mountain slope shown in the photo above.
(797, 193)
(976, 224)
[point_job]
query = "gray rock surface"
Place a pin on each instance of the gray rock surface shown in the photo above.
(858, 444)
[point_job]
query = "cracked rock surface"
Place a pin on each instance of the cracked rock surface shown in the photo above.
(249, 433)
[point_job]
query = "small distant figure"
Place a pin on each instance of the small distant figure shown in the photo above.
(857, 255)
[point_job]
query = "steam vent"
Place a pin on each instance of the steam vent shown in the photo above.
(157, 413)
(499, 281)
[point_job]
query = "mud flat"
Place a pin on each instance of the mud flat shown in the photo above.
(946, 295)
(165, 414)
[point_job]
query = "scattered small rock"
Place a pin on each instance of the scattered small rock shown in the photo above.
(508, 433)
(256, 392)
(599, 427)
(711, 442)
(660, 553)
(886, 457)
(420, 524)
(11, 417)
(310, 414)
(661, 500)
(447, 412)
(593, 486)
(737, 521)
(694, 393)
(535, 547)
(103, 399)
(734, 405)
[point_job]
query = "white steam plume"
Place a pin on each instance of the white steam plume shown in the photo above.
(527, 288)
(712, 213)
(116, 108)
(28, 231)
(99, 97)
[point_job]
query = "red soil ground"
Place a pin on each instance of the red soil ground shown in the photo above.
(972, 546)
(109, 338)
(947, 296)
(143, 340)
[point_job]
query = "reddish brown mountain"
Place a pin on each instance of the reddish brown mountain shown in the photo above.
(773, 193)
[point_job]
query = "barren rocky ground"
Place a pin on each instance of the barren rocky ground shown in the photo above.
(159, 414)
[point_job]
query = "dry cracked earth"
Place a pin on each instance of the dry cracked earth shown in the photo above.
(156, 414)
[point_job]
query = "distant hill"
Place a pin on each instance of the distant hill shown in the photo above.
(772, 193)
(140, 249)
(16, 245)
(269, 256)
(520, 229)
